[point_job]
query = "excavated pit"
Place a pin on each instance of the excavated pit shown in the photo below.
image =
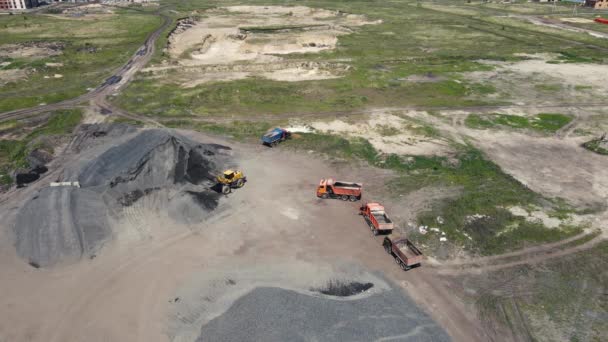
(66, 223)
(340, 288)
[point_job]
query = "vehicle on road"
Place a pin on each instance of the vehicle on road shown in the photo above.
(376, 218)
(230, 179)
(274, 136)
(113, 80)
(406, 255)
(346, 191)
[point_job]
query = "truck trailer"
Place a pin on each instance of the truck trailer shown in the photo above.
(346, 191)
(376, 218)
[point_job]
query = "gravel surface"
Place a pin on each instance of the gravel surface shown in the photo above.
(61, 223)
(274, 314)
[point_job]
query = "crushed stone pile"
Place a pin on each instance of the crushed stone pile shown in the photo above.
(66, 223)
(275, 314)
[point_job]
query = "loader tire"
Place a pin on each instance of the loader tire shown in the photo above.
(226, 189)
(344, 197)
(240, 183)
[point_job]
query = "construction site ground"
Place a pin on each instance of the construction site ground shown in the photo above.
(471, 123)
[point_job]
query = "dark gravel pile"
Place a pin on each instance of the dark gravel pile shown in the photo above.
(67, 222)
(274, 314)
(61, 223)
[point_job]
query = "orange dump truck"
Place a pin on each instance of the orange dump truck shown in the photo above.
(329, 188)
(406, 255)
(376, 218)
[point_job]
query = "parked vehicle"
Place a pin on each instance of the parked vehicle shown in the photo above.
(274, 136)
(376, 218)
(406, 255)
(329, 188)
(230, 179)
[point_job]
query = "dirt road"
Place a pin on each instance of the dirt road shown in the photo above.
(129, 291)
(119, 78)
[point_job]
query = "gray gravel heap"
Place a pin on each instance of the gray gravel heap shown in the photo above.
(67, 223)
(274, 314)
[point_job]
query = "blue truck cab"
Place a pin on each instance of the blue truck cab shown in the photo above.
(275, 136)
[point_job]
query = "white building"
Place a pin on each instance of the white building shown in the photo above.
(17, 4)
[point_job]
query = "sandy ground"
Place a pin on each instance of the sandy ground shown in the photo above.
(30, 50)
(12, 75)
(535, 81)
(133, 288)
(240, 36)
(388, 133)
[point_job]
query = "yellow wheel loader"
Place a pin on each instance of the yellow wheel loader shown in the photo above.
(230, 179)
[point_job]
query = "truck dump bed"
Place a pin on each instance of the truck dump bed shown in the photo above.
(411, 253)
(381, 217)
(347, 185)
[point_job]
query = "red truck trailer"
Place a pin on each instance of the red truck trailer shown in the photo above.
(347, 191)
(376, 218)
(601, 20)
(406, 255)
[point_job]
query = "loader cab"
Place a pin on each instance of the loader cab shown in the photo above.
(229, 174)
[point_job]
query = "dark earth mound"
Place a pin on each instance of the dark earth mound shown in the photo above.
(153, 158)
(273, 314)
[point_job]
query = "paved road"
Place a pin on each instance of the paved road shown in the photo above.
(113, 83)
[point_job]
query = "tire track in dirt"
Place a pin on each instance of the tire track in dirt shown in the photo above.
(521, 252)
(527, 261)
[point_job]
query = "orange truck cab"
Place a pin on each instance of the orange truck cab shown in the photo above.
(376, 218)
(346, 191)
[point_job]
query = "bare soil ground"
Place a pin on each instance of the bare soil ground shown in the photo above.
(12, 75)
(152, 261)
(32, 50)
(244, 41)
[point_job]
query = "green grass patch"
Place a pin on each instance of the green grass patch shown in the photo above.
(13, 153)
(240, 130)
(560, 299)
(597, 146)
(543, 122)
(92, 50)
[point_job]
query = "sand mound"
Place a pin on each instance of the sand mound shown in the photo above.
(65, 223)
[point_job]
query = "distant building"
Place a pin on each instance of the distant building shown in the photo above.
(597, 4)
(17, 4)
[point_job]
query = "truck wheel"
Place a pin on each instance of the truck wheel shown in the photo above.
(375, 231)
(352, 198)
(325, 196)
(274, 143)
(344, 197)
(226, 189)
(240, 183)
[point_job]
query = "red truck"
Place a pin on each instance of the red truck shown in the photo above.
(347, 191)
(376, 218)
(406, 255)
